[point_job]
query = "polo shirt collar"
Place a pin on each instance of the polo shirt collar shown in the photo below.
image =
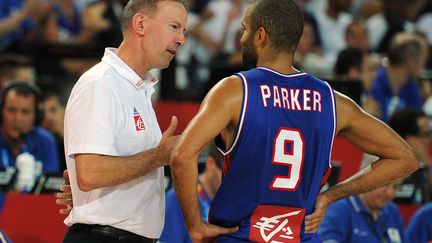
(359, 207)
(110, 57)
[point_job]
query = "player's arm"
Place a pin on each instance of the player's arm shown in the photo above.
(218, 114)
(98, 171)
(372, 136)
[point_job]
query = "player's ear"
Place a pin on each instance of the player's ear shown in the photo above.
(261, 37)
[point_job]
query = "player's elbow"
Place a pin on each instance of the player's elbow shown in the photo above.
(178, 160)
(411, 163)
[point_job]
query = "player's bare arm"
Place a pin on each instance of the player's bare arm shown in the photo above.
(374, 137)
(218, 114)
(371, 136)
(98, 171)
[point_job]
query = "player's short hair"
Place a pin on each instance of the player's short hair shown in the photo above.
(282, 20)
(146, 6)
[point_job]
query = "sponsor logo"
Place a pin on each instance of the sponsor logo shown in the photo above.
(139, 124)
(276, 224)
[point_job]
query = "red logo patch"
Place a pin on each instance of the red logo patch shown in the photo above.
(139, 124)
(276, 224)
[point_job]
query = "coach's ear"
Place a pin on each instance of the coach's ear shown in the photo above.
(139, 22)
(261, 37)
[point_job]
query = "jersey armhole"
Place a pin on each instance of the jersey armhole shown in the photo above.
(218, 139)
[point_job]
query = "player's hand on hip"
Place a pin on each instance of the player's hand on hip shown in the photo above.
(313, 220)
(64, 197)
(168, 141)
(207, 232)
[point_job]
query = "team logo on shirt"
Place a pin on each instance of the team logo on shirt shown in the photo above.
(275, 224)
(139, 124)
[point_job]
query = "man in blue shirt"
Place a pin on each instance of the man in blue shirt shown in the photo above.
(419, 229)
(18, 133)
(174, 229)
(395, 85)
(369, 217)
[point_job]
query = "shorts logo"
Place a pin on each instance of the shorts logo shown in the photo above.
(276, 224)
(139, 124)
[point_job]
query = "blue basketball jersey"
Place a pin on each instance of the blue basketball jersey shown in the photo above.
(279, 159)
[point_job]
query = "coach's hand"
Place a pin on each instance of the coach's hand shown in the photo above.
(167, 142)
(313, 221)
(64, 198)
(207, 232)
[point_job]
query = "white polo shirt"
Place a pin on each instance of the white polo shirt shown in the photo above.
(110, 112)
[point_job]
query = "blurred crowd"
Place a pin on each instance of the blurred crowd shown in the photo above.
(375, 51)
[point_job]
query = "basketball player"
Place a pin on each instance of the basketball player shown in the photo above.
(276, 125)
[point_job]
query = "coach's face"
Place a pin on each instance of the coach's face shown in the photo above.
(165, 32)
(250, 56)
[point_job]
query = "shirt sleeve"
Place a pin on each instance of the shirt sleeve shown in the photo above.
(91, 118)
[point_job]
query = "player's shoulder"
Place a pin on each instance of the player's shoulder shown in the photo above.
(228, 84)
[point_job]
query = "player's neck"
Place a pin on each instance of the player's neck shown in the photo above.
(281, 63)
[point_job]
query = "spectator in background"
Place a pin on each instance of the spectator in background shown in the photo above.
(423, 24)
(369, 217)
(53, 108)
(18, 20)
(209, 181)
(419, 229)
(19, 127)
(395, 86)
(20, 136)
(214, 33)
(356, 36)
(413, 126)
(16, 68)
(309, 56)
(349, 64)
(332, 24)
(67, 25)
(372, 13)
(356, 64)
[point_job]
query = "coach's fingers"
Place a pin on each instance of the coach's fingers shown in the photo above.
(65, 210)
(64, 199)
(172, 127)
(66, 177)
(66, 189)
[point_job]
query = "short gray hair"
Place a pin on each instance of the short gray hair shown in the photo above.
(146, 6)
